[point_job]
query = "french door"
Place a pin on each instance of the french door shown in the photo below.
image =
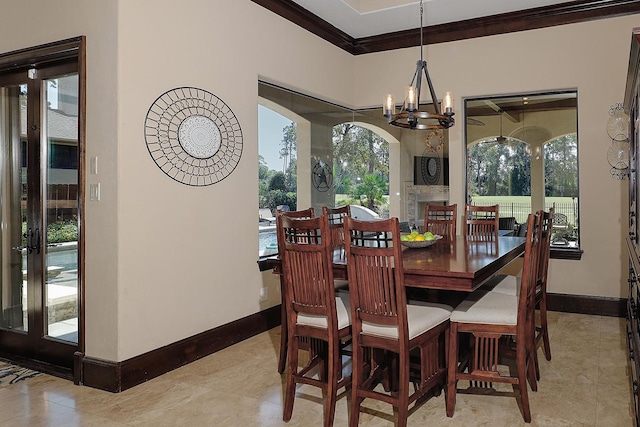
(39, 217)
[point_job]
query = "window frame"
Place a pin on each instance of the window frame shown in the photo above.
(472, 115)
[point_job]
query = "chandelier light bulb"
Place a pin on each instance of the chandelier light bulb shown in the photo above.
(389, 105)
(410, 98)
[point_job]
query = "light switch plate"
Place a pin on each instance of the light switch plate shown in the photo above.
(94, 192)
(94, 165)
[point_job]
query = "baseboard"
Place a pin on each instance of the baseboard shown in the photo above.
(119, 376)
(581, 304)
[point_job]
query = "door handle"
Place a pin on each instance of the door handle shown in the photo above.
(36, 241)
(33, 242)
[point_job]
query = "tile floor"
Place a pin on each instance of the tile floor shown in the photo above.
(585, 384)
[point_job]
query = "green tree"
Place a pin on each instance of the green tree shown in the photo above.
(277, 182)
(288, 150)
(373, 187)
(360, 154)
(561, 166)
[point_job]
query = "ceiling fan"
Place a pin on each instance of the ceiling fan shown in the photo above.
(501, 139)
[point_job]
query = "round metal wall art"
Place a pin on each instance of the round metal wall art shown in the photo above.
(193, 136)
(322, 176)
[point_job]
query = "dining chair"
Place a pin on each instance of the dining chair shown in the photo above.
(336, 216)
(488, 316)
(510, 284)
(385, 329)
(542, 330)
(441, 220)
(303, 213)
(314, 312)
(482, 222)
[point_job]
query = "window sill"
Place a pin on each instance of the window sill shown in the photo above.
(566, 253)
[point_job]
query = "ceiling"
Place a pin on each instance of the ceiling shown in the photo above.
(365, 18)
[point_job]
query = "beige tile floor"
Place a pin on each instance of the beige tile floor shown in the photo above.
(585, 384)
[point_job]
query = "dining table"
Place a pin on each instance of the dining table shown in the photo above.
(461, 264)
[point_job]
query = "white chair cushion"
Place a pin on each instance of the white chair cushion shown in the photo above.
(342, 310)
(420, 319)
(493, 308)
(509, 285)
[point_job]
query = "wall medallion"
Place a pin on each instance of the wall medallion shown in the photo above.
(193, 136)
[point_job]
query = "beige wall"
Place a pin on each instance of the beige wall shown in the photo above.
(166, 261)
(590, 57)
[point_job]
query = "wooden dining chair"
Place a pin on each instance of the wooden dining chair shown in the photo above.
(542, 330)
(302, 213)
(441, 220)
(336, 216)
(487, 317)
(385, 329)
(482, 222)
(314, 312)
(510, 284)
(282, 357)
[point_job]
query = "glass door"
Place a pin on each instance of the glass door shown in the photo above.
(39, 213)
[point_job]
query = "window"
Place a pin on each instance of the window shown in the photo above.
(277, 181)
(522, 153)
(315, 153)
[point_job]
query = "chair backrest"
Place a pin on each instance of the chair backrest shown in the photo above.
(303, 213)
(527, 296)
(507, 223)
(441, 220)
(546, 227)
(482, 222)
(335, 217)
(306, 256)
(376, 275)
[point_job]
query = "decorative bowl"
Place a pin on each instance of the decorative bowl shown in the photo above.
(421, 243)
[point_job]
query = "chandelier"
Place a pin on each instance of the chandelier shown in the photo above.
(410, 116)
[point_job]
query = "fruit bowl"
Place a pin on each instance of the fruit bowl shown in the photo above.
(421, 243)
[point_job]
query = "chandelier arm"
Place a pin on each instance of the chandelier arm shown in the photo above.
(434, 98)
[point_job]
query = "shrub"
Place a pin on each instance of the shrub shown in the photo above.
(57, 232)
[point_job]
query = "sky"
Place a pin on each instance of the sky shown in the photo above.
(270, 125)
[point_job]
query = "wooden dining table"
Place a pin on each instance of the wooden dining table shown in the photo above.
(461, 264)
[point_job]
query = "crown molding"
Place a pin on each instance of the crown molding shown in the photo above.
(530, 19)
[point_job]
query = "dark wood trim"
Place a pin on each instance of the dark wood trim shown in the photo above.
(558, 253)
(69, 49)
(632, 70)
(582, 304)
(539, 17)
(302, 17)
(120, 376)
(82, 174)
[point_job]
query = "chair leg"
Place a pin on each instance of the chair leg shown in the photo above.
(403, 389)
(452, 369)
(522, 381)
(545, 328)
(334, 368)
(357, 378)
(282, 358)
(290, 390)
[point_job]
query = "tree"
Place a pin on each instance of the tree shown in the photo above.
(288, 150)
(360, 154)
(277, 182)
(373, 188)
